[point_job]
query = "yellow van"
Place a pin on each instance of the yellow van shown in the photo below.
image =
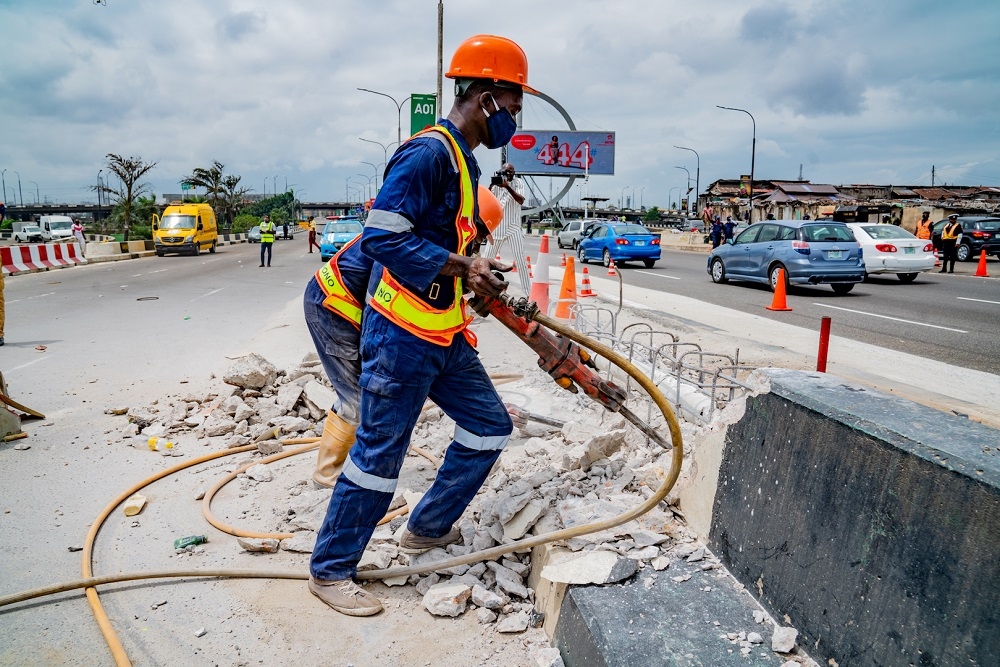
(185, 228)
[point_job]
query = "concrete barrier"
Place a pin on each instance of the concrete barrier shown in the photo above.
(870, 522)
(36, 257)
(103, 248)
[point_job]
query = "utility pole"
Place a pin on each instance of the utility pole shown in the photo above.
(440, 56)
(932, 176)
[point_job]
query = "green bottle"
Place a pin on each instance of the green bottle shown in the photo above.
(189, 541)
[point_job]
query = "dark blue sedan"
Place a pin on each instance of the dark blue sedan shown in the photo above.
(622, 242)
(811, 252)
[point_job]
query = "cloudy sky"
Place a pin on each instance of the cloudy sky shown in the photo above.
(855, 92)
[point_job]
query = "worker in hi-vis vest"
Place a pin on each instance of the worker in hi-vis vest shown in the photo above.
(415, 342)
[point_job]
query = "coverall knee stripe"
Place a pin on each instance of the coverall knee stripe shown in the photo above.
(366, 480)
(389, 221)
(482, 443)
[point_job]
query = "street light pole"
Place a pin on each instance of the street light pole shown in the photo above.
(688, 184)
(37, 199)
(621, 198)
(2, 172)
(697, 174)
(641, 192)
(375, 168)
(20, 193)
(399, 111)
(753, 152)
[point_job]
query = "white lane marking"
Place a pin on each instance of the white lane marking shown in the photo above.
(886, 317)
(661, 275)
(29, 298)
(137, 275)
(158, 271)
(17, 368)
(965, 298)
(209, 294)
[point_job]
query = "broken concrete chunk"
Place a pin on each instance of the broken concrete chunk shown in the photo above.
(309, 508)
(302, 542)
(134, 504)
(605, 444)
(230, 404)
(591, 567)
(513, 622)
(251, 372)
(755, 638)
(485, 616)
(697, 555)
(660, 563)
(260, 473)
(288, 395)
(425, 584)
(447, 599)
(141, 417)
(258, 545)
(647, 538)
(485, 598)
(319, 395)
(213, 426)
(645, 553)
(547, 657)
(783, 640)
(521, 522)
(758, 616)
(268, 410)
(508, 580)
(374, 559)
(243, 413)
(269, 447)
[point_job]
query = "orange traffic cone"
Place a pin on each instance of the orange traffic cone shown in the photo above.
(567, 292)
(981, 269)
(611, 269)
(585, 286)
(779, 302)
(540, 285)
(563, 262)
(937, 259)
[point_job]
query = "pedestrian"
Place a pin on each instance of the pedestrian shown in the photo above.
(77, 230)
(312, 235)
(707, 215)
(333, 309)
(729, 229)
(770, 216)
(414, 340)
(925, 226)
(718, 231)
(886, 220)
(949, 242)
(510, 193)
(284, 229)
(267, 229)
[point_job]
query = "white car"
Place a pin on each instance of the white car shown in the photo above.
(892, 249)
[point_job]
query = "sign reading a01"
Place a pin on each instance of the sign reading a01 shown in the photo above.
(422, 108)
(554, 153)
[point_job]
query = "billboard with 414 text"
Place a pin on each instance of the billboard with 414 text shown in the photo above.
(562, 153)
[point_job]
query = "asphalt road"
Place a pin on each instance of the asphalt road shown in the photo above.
(952, 318)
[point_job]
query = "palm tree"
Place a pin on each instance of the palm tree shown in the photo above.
(233, 197)
(210, 179)
(129, 171)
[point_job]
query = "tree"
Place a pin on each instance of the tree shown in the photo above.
(233, 197)
(210, 179)
(129, 172)
(652, 215)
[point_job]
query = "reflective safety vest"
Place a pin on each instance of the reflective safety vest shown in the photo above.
(339, 299)
(267, 232)
(409, 311)
(924, 229)
(950, 231)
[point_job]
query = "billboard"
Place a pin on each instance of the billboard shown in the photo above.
(562, 153)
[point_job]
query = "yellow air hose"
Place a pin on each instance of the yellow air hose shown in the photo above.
(89, 582)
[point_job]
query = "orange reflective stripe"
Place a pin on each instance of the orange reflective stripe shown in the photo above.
(339, 299)
(409, 311)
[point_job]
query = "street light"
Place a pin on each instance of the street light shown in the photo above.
(399, 111)
(37, 198)
(274, 182)
(2, 172)
(697, 174)
(643, 190)
(375, 167)
(753, 152)
(688, 184)
(19, 192)
(621, 198)
(385, 148)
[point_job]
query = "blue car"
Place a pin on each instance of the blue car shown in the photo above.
(811, 252)
(622, 242)
(336, 234)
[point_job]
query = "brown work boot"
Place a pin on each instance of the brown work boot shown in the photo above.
(337, 440)
(346, 597)
(416, 544)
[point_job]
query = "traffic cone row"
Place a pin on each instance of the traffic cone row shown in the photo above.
(563, 262)
(567, 292)
(585, 289)
(611, 269)
(981, 269)
(540, 285)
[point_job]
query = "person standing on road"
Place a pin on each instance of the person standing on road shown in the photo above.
(949, 243)
(717, 232)
(414, 340)
(312, 235)
(510, 192)
(924, 226)
(267, 229)
(729, 229)
(77, 230)
(284, 229)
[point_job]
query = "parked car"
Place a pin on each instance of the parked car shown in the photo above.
(977, 231)
(253, 236)
(620, 241)
(892, 249)
(574, 230)
(337, 234)
(811, 253)
(27, 232)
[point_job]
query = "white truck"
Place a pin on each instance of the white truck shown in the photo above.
(56, 227)
(26, 232)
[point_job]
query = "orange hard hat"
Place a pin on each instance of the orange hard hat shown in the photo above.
(491, 57)
(490, 210)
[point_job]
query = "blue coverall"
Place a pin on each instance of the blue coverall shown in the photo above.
(410, 231)
(336, 338)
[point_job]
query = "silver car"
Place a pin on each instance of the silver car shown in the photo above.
(574, 230)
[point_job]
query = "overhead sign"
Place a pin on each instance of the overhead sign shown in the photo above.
(422, 108)
(562, 153)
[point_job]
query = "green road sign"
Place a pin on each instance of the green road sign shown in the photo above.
(421, 112)
(186, 186)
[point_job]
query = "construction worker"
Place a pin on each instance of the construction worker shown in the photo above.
(267, 229)
(333, 307)
(949, 241)
(510, 192)
(312, 235)
(925, 226)
(414, 338)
